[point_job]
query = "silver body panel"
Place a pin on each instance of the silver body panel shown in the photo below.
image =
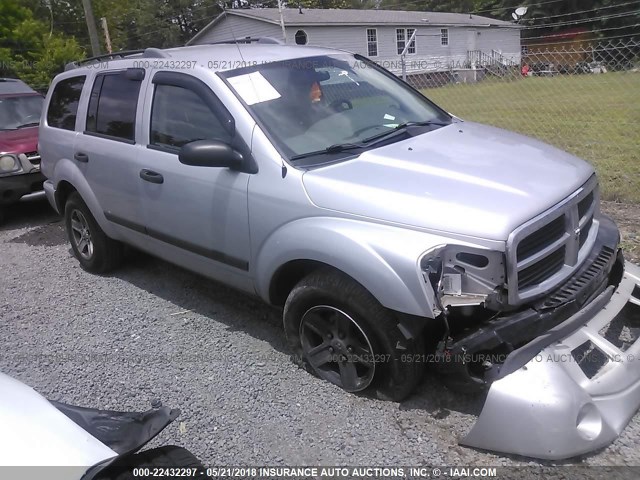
(374, 217)
(505, 179)
(550, 408)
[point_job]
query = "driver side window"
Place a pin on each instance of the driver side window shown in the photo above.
(179, 116)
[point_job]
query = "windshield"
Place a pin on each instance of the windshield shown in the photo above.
(20, 112)
(328, 104)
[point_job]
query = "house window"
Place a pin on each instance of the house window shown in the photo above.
(412, 46)
(372, 42)
(301, 37)
(444, 37)
(402, 37)
(525, 50)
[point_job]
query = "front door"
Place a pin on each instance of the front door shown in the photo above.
(198, 213)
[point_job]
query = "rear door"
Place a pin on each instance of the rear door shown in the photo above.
(107, 146)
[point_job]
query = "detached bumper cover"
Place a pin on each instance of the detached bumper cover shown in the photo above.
(578, 393)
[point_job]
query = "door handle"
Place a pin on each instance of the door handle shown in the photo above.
(81, 157)
(151, 176)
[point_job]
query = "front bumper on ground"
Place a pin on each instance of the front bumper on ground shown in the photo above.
(14, 187)
(520, 335)
(579, 392)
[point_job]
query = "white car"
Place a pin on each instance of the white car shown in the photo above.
(90, 443)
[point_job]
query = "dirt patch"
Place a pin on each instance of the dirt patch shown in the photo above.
(627, 216)
(50, 235)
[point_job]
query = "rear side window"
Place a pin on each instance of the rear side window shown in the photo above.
(179, 116)
(112, 106)
(63, 107)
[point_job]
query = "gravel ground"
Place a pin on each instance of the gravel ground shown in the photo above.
(152, 330)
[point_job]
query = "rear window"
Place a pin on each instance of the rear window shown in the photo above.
(63, 107)
(112, 107)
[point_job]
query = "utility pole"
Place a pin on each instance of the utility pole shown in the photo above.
(284, 32)
(91, 27)
(404, 54)
(107, 38)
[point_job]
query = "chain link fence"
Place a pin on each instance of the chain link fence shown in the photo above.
(584, 99)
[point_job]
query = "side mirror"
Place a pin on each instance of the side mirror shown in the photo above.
(210, 153)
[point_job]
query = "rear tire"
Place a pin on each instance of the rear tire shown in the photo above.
(338, 331)
(170, 457)
(96, 252)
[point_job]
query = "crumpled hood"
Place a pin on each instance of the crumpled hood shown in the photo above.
(464, 178)
(22, 140)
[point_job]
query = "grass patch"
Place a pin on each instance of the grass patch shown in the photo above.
(596, 117)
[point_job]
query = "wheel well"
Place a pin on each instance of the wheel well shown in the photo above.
(63, 191)
(288, 275)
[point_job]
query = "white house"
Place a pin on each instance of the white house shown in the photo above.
(443, 41)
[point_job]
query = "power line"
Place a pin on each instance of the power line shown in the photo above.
(575, 22)
(591, 31)
(597, 42)
(512, 8)
(530, 27)
(475, 12)
(585, 11)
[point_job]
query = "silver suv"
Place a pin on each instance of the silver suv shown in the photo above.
(392, 234)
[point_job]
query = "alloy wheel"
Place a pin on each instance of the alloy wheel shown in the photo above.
(81, 234)
(337, 348)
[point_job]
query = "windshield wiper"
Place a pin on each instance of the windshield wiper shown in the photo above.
(336, 148)
(402, 127)
(30, 124)
(368, 142)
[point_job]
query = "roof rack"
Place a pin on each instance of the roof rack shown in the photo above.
(248, 40)
(146, 53)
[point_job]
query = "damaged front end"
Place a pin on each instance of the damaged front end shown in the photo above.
(479, 337)
(572, 390)
(561, 369)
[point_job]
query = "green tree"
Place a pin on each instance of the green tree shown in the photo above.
(28, 47)
(136, 24)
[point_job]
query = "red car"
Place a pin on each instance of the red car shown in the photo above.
(20, 109)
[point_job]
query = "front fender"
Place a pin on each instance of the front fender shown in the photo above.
(382, 258)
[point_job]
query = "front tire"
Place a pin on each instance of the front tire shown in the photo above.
(340, 332)
(96, 252)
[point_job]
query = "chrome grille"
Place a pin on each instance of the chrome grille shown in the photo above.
(542, 270)
(540, 239)
(547, 250)
(584, 231)
(585, 204)
(33, 157)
